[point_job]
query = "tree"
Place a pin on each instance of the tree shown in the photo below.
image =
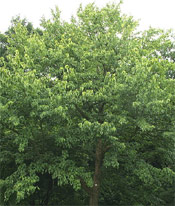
(11, 31)
(83, 101)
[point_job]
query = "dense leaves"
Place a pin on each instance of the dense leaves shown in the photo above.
(87, 108)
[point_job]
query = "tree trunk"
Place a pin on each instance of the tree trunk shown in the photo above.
(94, 195)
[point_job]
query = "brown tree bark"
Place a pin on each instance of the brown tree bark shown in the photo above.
(94, 195)
(94, 191)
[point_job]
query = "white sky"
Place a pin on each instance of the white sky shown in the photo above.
(155, 13)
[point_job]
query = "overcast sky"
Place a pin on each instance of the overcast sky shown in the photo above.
(155, 13)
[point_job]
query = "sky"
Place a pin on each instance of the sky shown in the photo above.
(154, 13)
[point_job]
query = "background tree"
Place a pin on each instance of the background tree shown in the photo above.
(11, 31)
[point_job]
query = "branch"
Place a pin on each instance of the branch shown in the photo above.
(84, 115)
(84, 186)
(107, 148)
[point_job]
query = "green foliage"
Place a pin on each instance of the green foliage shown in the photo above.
(72, 84)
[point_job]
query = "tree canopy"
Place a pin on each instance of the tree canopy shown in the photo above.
(87, 112)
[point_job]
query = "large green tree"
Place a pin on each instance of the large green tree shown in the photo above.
(88, 104)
